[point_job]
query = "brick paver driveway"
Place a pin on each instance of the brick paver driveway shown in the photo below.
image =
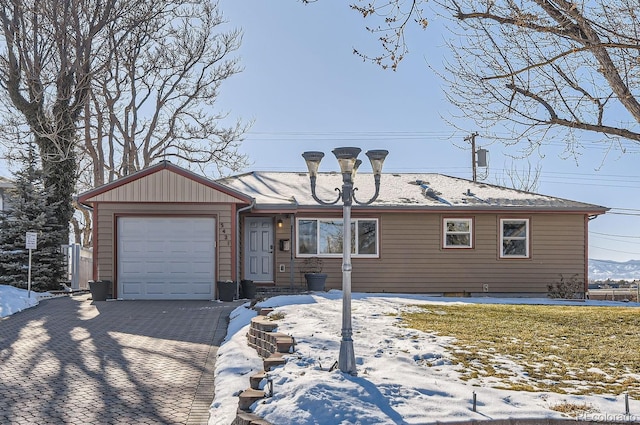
(73, 361)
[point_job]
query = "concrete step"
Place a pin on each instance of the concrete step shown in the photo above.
(256, 379)
(248, 397)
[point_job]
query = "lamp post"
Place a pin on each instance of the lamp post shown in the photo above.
(349, 163)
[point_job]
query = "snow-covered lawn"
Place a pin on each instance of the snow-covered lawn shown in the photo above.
(405, 376)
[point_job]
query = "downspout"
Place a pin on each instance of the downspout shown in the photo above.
(291, 252)
(586, 256)
(292, 255)
(239, 245)
(587, 219)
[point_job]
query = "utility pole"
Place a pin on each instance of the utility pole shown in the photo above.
(472, 139)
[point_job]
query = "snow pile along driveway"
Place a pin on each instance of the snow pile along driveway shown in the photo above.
(13, 300)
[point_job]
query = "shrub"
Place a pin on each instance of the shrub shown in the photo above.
(567, 288)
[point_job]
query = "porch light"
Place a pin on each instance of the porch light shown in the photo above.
(349, 163)
(280, 223)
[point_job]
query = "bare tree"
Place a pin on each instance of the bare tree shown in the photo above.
(532, 65)
(155, 97)
(108, 88)
(45, 69)
(526, 178)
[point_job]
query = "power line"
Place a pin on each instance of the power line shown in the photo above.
(590, 184)
(358, 135)
(616, 240)
(614, 250)
(627, 214)
(616, 236)
(626, 209)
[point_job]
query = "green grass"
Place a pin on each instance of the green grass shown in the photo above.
(570, 350)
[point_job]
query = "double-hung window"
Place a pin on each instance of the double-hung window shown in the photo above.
(323, 237)
(514, 238)
(457, 233)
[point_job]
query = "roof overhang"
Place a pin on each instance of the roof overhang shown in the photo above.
(337, 208)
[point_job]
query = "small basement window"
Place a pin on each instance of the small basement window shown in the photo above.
(458, 233)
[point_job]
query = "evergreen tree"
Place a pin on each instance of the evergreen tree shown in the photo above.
(29, 210)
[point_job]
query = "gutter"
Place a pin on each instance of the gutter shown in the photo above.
(238, 244)
(81, 205)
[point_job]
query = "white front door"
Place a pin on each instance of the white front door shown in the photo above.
(258, 249)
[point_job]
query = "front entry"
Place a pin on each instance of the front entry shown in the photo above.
(258, 249)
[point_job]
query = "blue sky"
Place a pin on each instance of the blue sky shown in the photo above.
(305, 90)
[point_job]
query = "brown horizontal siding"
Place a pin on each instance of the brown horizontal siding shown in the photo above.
(412, 258)
(225, 240)
(106, 242)
(284, 257)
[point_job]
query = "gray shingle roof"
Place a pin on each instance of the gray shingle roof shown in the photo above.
(425, 191)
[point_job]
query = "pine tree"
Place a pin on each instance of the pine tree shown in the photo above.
(29, 210)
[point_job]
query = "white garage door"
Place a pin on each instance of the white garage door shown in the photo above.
(166, 258)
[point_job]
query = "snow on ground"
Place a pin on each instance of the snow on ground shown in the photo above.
(13, 300)
(404, 376)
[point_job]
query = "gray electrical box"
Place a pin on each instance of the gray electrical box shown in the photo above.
(482, 157)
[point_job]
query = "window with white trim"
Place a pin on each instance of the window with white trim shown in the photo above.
(322, 237)
(457, 233)
(514, 238)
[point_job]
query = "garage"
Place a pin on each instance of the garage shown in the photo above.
(164, 232)
(166, 258)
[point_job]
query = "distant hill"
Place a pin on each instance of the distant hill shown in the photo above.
(605, 269)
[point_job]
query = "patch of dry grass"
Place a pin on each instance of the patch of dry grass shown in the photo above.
(276, 316)
(564, 349)
(574, 409)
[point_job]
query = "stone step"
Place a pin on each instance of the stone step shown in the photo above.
(272, 291)
(274, 361)
(260, 421)
(256, 379)
(284, 343)
(248, 418)
(248, 397)
(261, 323)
